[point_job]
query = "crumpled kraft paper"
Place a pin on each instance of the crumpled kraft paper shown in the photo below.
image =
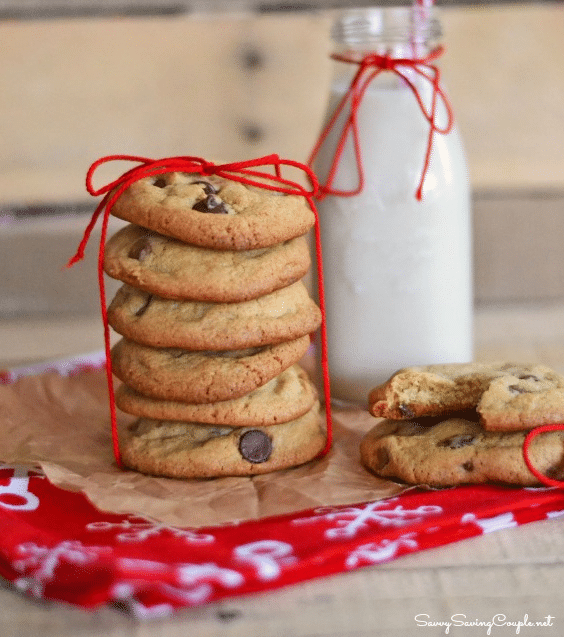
(62, 424)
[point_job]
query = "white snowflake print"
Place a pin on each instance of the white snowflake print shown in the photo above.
(159, 611)
(267, 556)
(349, 521)
(138, 528)
(496, 523)
(38, 564)
(18, 486)
(378, 552)
(197, 580)
(189, 583)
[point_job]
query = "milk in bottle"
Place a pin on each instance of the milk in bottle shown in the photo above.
(397, 270)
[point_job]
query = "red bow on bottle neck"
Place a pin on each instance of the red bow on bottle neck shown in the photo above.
(245, 172)
(370, 66)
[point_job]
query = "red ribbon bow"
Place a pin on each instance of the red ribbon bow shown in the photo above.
(244, 172)
(370, 66)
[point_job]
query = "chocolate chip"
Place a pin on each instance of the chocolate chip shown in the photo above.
(468, 466)
(208, 188)
(159, 182)
(529, 377)
(456, 442)
(406, 411)
(515, 389)
(141, 310)
(140, 250)
(212, 204)
(556, 472)
(255, 446)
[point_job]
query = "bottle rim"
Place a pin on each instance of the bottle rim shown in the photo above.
(355, 27)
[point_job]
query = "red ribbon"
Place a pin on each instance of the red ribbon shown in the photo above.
(244, 172)
(549, 482)
(370, 66)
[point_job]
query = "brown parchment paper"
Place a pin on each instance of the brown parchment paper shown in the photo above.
(62, 424)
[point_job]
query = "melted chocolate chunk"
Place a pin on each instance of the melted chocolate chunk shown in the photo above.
(456, 442)
(140, 250)
(145, 306)
(255, 446)
(406, 411)
(468, 466)
(515, 389)
(529, 377)
(159, 182)
(212, 204)
(208, 188)
(555, 472)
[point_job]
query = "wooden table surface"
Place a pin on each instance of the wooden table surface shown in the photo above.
(514, 573)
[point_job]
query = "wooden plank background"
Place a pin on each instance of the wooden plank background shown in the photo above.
(241, 84)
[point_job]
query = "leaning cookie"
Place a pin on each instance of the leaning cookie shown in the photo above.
(509, 396)
(175, 270)
(286, 397)
(214, 212)
(523, 401)
(457, 451)
(283, 315)
(192, 450)
(205, 376)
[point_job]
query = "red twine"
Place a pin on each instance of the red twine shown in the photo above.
(244, 172)
(549, 482)
(370, 66)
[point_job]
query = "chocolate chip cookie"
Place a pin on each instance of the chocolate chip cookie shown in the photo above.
(193, 450)
(508, 396)
(523, 399)
(213, 212)
(457, 451)
(286, 397)
(175, 270)
(202, 376)
(283, 315)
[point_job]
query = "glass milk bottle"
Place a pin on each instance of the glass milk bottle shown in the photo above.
(397, 268)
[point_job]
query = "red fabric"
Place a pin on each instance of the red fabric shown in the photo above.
(244, 172)
(55, 545)
(369, 67)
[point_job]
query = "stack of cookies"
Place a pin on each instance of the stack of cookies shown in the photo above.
(214, 319)
(460, 424)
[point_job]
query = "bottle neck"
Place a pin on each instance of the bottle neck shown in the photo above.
(400, 32)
